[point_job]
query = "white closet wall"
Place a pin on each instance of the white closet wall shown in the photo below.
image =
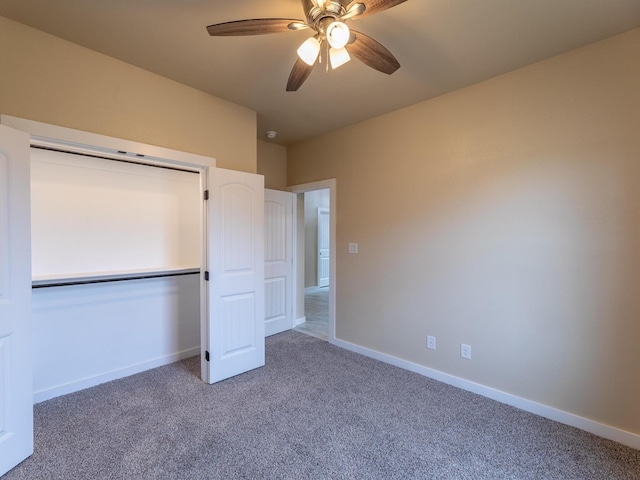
(94, 217)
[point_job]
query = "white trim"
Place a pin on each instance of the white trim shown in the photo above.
(311, 186)
(43, 134)
(612, 433)
(204, 287)
(46, 394)
(332, 185)
(293, 290)
(299, 321)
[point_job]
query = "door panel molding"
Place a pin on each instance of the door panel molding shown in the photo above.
(235, 262)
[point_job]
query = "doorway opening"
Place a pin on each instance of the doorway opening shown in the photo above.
(317, 255)
(315, 259)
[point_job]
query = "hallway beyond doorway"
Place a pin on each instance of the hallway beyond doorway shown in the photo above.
(316, 311)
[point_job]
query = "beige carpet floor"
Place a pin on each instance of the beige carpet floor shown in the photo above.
(314, 411)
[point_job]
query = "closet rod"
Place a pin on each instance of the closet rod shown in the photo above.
(112, 278)
(115, 158)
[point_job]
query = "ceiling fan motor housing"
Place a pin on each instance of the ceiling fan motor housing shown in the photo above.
(332, 9)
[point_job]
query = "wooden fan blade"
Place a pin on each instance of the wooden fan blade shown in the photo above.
(355, 9)
(372, 54)
(375, 6)
(255, 26)
(300, 72)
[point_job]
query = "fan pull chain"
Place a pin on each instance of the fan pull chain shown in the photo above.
(326, 57)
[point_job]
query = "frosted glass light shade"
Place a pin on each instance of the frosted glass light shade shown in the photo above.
(338, 34)
(309, 50)
(338, 57)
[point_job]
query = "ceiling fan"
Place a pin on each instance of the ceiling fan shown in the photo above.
(327, 18)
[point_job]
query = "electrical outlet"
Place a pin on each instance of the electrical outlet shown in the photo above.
(431, 342)
(465, 351)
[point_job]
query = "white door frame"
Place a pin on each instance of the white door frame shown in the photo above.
(330, 184)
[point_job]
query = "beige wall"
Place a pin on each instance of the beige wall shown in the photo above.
(272, 163)
(54, 81)
(507, 216)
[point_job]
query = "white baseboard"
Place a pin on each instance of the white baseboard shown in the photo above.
(300, 321)
(52, 392)
(612, 433)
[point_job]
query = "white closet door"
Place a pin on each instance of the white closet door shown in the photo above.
(16, 378)
(324, 252)
(235, 291)
(278, 258)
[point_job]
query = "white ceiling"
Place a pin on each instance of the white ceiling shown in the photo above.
(442, 45)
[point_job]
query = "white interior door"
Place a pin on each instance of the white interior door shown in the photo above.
(278, 261)
(235, 262)
(16, 378)
(323, 247)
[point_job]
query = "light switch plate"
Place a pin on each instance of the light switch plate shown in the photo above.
(353, 248)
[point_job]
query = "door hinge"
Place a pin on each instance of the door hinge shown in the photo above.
(206, 194)
(206, 276)
(206, 356)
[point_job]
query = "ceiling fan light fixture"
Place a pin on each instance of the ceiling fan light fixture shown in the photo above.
(327, 18)
(309, 50)
(338, 57)
(338, 34)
